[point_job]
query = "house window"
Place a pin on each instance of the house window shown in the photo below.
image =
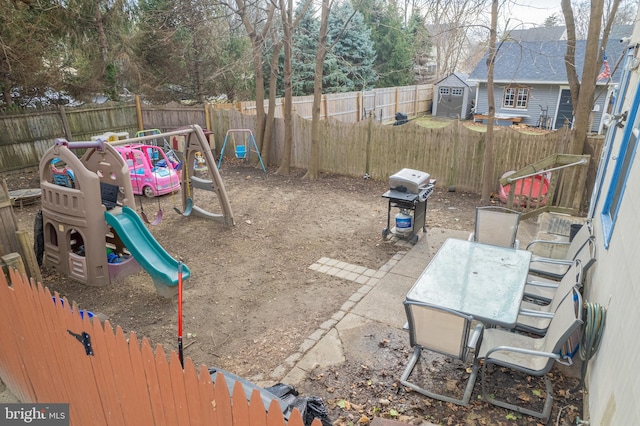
(617, 99)
(516, 97)
(456, 91)
(623, 163)
(444, 90)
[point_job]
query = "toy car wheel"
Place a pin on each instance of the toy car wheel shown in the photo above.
(148, 192)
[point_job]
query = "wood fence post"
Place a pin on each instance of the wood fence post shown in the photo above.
(207, 117)
(29, 256)
(415, 101)
(139, 113)
(368, 151)
(65, 123)
(358, 106)
(397, 100)
(451, 180)
(324, 104)
(9, 225)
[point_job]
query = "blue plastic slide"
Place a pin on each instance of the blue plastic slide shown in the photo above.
(145, 249)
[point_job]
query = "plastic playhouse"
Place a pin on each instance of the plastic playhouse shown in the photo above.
(91, 231)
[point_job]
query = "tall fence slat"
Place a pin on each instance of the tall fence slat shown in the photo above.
(257, 412)
(157, 403)
(222, 401)
(207, 397)
(139, 381)
(194, 399)
(104, 373)
(164, 379)
(178, 390)
(240, 407)
(274, 415)
(132, 401)
(16, 365)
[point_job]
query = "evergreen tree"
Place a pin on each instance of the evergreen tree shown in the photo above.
(349, 64)
(304, 54)
(392, 43)
(421, 42)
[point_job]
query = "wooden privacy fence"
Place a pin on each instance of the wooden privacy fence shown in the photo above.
(26, 135)
(352, 107)
(49, 354)
(454, 155)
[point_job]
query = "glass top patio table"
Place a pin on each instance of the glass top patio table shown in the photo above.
(481, 280)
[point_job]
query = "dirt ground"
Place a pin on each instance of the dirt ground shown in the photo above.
(252, 299)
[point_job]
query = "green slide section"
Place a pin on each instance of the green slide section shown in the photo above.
(145, 249)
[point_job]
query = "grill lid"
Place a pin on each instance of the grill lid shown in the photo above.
(409, 180)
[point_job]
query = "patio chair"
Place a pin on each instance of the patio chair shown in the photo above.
(531, 355)
(443, 331)
(555, 268)
(542, 289)
(534, 317)
(496, 225)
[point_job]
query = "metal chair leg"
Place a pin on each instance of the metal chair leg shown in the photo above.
(468, 389)
(548, 403)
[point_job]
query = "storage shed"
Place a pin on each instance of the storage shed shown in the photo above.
(454, 97)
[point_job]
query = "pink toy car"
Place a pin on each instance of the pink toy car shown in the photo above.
(152, 172)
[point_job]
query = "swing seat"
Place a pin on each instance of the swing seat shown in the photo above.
(155, 221)
(241, 151)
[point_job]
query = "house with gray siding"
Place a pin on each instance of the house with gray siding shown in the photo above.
(613, 283)
(530, 82)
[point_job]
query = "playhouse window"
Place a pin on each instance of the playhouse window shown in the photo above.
(456, 91)
(515, 97)
(444, 91)
(76, 242)
(52, 234)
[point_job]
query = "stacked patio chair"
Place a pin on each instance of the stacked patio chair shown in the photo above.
(542, 289)
(497, 226)
(556, 268)
(533, 356)
(535, 318)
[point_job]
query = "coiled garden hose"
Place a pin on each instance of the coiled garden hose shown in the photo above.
(595, 317)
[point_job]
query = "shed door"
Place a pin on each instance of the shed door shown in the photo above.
(565, 109)
(450, 102)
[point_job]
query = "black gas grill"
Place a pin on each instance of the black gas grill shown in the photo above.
(408, 191)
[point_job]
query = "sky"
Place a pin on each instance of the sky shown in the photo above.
(526, 13)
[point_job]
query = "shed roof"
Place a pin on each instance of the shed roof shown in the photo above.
(462, 77)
